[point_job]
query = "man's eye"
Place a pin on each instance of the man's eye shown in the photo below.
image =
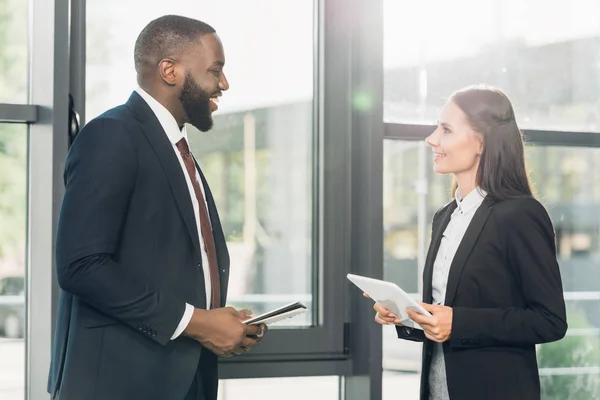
(216, 72)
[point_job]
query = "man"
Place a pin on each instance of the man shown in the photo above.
(141, 257)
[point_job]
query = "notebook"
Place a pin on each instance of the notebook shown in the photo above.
(278, 314)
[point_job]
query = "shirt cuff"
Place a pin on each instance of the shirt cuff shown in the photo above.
(185, 320)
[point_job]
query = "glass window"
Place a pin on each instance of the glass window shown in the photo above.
(258, 157)
(13, 201)
(410, 198)
(567, 182)
(544, 57)
(13, 51)
(297, 388)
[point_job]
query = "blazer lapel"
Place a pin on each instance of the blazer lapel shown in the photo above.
(464, 249)
(439, 227)
(164, 151)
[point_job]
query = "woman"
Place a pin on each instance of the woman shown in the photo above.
(491, 280)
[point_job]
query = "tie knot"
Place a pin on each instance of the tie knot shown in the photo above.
(182, 146)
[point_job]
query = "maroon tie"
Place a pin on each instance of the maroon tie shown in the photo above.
(205, 228)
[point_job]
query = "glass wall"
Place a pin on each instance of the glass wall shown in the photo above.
(412, 193)
(13, 51)
(261, 160)
(269, 165)
(13, 193)
(546, 60)
(544, 57)
(13, 199)
(258, 157)
(567, 182)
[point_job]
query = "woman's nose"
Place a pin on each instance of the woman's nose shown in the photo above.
(432, 140)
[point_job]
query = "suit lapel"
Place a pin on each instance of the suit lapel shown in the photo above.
(438, 229)
(464, 249)
(164, 151)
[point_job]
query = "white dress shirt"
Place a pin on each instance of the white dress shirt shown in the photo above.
(168, 123)
(451, 238)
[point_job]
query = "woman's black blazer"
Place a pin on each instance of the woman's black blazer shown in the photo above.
(505, 289)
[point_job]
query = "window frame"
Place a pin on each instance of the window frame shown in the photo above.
(399, 131)
(45, 114)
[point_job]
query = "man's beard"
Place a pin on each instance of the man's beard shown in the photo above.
(196, 104)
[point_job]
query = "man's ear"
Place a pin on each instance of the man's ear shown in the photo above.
(168, 71)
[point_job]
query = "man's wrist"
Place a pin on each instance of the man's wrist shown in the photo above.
(195, 326)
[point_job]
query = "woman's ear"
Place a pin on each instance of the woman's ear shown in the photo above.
(479, 145)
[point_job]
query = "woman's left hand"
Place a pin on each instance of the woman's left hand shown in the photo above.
(438, 327)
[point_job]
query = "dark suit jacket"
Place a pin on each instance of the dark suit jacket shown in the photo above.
(128, 259)
(505, 290)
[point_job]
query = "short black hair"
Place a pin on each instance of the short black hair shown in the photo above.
(166, 37)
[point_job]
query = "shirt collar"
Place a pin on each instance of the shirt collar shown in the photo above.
(471, 201)
(164, 116)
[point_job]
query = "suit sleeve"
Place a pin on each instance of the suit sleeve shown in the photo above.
(100, 176)
(532, 256)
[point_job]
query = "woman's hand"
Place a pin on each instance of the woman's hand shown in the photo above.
(438, 327)
(384, 316)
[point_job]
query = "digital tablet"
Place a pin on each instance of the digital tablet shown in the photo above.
(278, 314)
(391, 296)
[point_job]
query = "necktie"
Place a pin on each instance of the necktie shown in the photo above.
(205, 228)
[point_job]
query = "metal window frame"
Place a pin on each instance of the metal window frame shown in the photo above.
(48, 98)
(366, 169)
(532, 136)
(18, 113)
(350, 67)
(315, 350)
(46, 117)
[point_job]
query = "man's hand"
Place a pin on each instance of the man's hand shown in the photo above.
(247, 314)
(438, 327)
(221, 331)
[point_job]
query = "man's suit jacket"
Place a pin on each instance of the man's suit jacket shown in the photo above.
(505, 290)
(128, 259)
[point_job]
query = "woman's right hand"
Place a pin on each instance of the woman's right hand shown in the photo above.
(384, 316)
